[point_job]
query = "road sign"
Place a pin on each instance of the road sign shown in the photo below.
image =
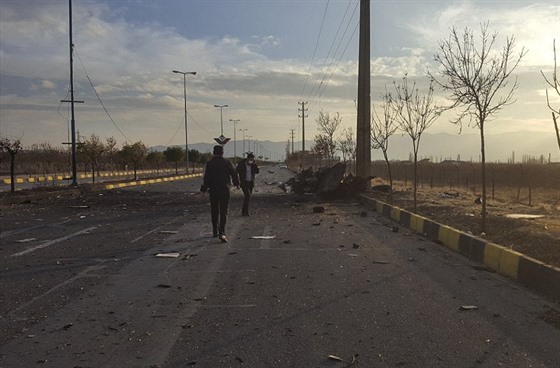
(222, 140)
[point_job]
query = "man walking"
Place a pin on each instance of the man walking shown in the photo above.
(247, 169)
(218, 177)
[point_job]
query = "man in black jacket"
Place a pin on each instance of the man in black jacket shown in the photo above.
(218, 177)
(247, 169)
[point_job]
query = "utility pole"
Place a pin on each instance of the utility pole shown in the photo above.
(73, 119)
(363, 131)
(302, 116)
(292, 134)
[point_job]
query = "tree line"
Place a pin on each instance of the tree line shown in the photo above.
(93, 156)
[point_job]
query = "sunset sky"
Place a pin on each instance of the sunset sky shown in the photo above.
(260, 57)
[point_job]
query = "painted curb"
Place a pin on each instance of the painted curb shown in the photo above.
(533, 274)
(150, 181)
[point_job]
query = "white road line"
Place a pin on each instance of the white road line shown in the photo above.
(17, 231)
(153, 230)
(49, 243)
(265, 243)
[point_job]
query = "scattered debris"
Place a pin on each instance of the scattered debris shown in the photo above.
(383, 188)
(266, 237)
(168, 255)
(380, 262)
(169, 232)
(478, 200)
(287, 242)
(334, 357)
(78, 206)
(318, 209)
(352, 255)
(327, 181)
(355, 246)
(164, 286)
(468, 307)
(395, 229)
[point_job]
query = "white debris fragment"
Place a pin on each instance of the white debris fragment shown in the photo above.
(168, 255)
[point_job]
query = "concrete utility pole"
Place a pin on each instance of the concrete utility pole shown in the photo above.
(302, 116)
(73, 119)
(292, 134)
(363, 131)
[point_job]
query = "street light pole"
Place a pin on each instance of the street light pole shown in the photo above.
(185, 98)
(243, 130)
(234, 121)
(221, 117)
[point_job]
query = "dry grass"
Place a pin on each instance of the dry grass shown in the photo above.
(537, 238)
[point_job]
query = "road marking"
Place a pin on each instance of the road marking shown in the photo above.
(154, 230)
(84, 273)
(17, 231)
(49, 243)
(265, 243)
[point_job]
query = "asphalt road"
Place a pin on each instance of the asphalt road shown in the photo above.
(81, 286)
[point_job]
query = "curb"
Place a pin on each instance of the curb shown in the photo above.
(527, 271)
(150, 181)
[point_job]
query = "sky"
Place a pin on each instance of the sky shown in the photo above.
(259, 57)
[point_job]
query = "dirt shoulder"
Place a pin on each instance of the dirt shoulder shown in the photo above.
(538, 238)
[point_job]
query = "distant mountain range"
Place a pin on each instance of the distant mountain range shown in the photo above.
(440, 146)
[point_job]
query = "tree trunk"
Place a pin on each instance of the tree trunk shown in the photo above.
(12, 172)
(483, 157)
(556, 128)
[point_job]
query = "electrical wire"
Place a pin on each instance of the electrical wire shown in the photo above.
(99, 98)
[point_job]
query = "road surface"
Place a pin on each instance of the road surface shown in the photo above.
(301, 283)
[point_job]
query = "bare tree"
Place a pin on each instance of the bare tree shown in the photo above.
(347, 145)
(327, 127)
(12, 146)
(474, 74)
(91, 151)
(414, 113)
(382, 128)
(554, 83)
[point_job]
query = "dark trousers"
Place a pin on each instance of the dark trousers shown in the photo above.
(219, 202)
(247, 188)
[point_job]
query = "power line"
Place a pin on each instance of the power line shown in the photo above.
(99, 98)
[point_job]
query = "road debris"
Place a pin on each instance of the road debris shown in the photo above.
(523, 216)
(330, 182)
(468, 307)
(334, 357)
(169, 232)
(168, 255)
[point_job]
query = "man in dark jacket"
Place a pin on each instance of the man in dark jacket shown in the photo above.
(218, 177)
(247, 169)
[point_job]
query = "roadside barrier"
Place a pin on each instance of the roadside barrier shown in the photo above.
(150, 181)
(527, 271)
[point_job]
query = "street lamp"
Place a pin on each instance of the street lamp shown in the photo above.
(221, 117)
(234, 121)
(243, 130)
(185, 97)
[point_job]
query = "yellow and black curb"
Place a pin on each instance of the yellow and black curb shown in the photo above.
(527, 271)
(150, 181)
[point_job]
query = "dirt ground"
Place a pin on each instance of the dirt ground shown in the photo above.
(538, 238)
